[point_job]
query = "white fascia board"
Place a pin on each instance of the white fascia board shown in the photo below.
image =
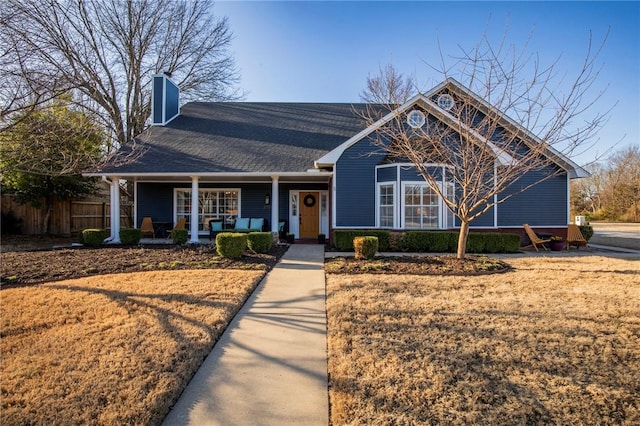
(314, 173)
(330, 159)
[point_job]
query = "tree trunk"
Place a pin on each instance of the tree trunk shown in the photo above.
(47, 216)
(462, 240)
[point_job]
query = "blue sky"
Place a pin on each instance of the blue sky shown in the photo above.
(324, 51)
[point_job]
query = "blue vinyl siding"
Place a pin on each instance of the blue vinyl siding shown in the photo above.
(158, 98)
(387, 174)
(410, 174)
(156, 201)
(486, 220)
(252, 200)
(545, 204)
(355, 176)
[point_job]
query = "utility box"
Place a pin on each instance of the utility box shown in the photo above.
(581, 220)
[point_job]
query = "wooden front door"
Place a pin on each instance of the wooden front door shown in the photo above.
(309, 214)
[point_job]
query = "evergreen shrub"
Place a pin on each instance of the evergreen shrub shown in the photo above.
(231, 244)
(430, 241)
(260, 242)
(586, 231)
(93, 237)
(343, 238)
(10, 224)
(365, 247)
(179, 236)
(130, 236)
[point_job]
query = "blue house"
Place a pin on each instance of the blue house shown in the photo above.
(311, 165)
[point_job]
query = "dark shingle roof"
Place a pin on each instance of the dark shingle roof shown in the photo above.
(231, 137)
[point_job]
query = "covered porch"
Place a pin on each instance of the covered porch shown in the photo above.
(301, 200)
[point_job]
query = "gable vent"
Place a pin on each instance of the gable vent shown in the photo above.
(165, 100)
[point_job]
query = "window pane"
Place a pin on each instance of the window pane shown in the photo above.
(412, 218)
(421, 207)
(211, 204)
(386, 206)
(386, 216)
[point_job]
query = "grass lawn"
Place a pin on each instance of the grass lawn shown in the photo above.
(555, 341)
(111, 349)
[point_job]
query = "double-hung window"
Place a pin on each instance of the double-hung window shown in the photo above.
(386, 203)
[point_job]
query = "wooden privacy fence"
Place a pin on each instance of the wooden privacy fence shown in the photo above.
(67, 217)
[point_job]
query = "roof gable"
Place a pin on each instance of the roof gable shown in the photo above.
(425, 101)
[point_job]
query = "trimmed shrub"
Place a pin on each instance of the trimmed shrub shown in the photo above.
(260, 242)
(447, 242)
(395, 241)
(10, 223)
(231, 244)
(343, 238)
(365, 247)
(93, 237)
(586, 231)
(130, 236)
(179, 236)
(502, 242)
(476, 242)
(429, 241)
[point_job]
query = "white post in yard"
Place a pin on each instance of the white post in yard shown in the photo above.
(275, 217)
(115, 210)
(194, 209)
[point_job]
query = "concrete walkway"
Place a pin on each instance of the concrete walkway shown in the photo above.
(270, 365)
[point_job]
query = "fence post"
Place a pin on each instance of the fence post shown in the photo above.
(104, 215)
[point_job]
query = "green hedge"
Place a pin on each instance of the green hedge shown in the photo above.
(343, 238)
(429, 241)
(93, 237)
(365, 247)
(260, 242)
(179, 236)
(231, 244)
(130, 236)
(447, 242)
(586, 231)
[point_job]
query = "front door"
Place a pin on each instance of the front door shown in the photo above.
(309, 214)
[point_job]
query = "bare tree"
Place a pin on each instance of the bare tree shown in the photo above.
(508, 120)
(624, 191)
(586, 193)
(106, 51)
(389, 86)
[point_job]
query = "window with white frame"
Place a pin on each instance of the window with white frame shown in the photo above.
(450, 218)
(421, 207)
(212, 204)
(386, 202)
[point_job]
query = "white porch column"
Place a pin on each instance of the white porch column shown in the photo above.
(115, 210)
(194, 209)
(275, 217)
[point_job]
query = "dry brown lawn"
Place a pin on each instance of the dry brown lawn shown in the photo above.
(555, 341)
(112, 349)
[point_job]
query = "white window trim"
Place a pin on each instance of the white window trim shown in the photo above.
(422, 183)
(393, 184)
(182, 189)
(399, 196)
